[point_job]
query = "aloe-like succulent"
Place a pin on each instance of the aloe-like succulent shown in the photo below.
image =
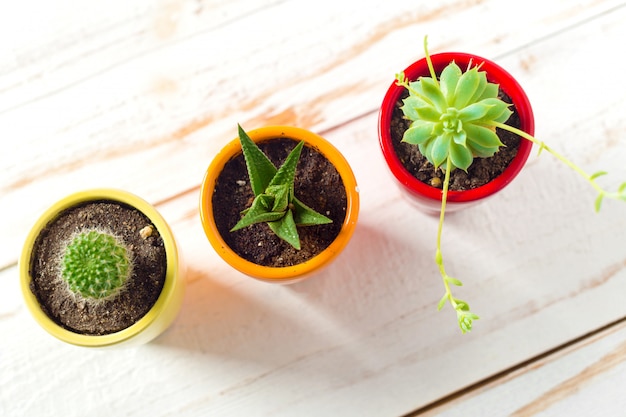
(454, 118)
(274, 200)
(95, 265)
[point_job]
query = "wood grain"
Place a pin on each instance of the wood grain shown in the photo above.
(84, 115)
(140, 95)
(582, 378)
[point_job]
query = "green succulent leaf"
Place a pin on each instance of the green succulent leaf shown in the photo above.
(418, 91)
(499, 110)
(468, 86)
(491, 91)
(598, 203)
(483, 136)
(481, 87)
(475, 111)
(461, 305)
(460, 138)
(425, 149)
(440, 149)
(260, 169)
(455, 282)
(442, 302)
(286, 229)
(303, 215)
(259, 212)
(411, 104)
(466, 320)
(419, 132)
(480, 151)
(461, 156)
(281, 194)
(598, 174)
(428, 113)
(287, 172)
(432, 91)
(449, 79)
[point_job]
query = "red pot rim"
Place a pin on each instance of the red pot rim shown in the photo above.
(495, 74)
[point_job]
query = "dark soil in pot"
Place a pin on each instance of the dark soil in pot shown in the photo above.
(142, 288)
(479, 173)
(318, 185)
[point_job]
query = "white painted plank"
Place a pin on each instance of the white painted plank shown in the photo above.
(364, 337)
(585, 379)
(314, 347)
(103, 99)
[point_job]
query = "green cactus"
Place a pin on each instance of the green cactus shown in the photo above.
(95, 265)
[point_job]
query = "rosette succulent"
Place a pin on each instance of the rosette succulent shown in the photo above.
(95, 265)
(274, 200)
(453, 120)
(453, 117)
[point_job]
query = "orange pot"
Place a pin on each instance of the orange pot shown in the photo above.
(291, 273)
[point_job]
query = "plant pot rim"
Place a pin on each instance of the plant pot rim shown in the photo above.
(495, 74)
(285, 274)
(155, 320)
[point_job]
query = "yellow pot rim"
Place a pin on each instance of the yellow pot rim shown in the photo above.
(290, 273)
(167, 292)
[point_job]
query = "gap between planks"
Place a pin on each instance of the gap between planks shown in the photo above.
(502, 376)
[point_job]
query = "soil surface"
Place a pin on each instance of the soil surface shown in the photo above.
(479, 173)
(104, 316)
(318, 185)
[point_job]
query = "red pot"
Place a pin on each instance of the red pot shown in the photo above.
(423, 195)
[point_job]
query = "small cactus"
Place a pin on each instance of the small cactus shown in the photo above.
(95, 265)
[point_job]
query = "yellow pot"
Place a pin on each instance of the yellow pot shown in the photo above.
(291, 273)
(156, 320)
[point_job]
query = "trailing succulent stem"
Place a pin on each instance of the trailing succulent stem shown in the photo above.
(95, 265)
(620, 194)
(464, 316)
(274, 200)
(454, 120)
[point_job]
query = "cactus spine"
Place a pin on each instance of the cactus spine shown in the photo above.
(95, 265)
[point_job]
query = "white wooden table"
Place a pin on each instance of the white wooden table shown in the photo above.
(140, 94)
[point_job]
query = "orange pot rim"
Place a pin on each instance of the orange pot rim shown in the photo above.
(169, 293)
(289, 273)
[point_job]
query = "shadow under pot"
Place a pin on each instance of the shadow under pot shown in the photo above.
(323, 181)
(101, 268)
(420, 181)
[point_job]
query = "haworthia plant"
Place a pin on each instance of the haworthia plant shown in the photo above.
(274, 200)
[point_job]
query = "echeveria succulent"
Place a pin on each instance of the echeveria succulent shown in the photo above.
(453, 117)
(453, 120)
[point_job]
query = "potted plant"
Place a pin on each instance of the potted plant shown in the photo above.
(101, 268)
(456, 111)
(279, 203)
